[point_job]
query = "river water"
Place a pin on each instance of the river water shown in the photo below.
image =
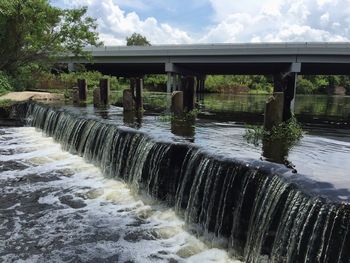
(56, 207)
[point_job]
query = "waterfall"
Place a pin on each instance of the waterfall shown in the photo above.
(259, 214)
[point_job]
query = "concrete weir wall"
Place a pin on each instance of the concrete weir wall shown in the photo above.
(254, 208)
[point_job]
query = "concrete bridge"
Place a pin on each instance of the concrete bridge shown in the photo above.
(282, 60)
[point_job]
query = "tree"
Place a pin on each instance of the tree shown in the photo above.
(137, 40)
(34, 32)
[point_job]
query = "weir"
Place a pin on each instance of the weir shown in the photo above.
(253, 207)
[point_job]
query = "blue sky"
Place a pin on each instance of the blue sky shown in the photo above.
(218, 21)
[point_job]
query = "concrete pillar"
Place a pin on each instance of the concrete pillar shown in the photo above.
(104, 91)
(168, 90)
(177, 102)
(71, 67)
(169, 83)
(200, 84)
(188, 88)
(177, 84)
(128, 100)
(82, 88)
(96, 97)
(274, 110)
(286, 84)
(138, 94)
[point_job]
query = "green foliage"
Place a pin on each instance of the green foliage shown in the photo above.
(32, 33)
(238, 83)
(5, 85)
(155, 82)
(137, 40)
(305, 86)
(290, 132)
(92, 78)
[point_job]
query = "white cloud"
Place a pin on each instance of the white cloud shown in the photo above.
(115, 24)
(232, 21)
(278, 20)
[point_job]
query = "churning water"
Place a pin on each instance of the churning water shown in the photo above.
(56, 207)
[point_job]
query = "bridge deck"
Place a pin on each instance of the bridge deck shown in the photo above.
(261, 58)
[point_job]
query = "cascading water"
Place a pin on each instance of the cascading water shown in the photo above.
(254, 210)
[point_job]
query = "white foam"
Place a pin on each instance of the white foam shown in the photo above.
(110, 206)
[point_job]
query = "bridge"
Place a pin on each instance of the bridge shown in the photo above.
(282, 60)
(265, 58)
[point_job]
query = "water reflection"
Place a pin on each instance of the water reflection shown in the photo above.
(80, 104)
(307, 107)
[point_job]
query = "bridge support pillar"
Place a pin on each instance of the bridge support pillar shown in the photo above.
(138, 94)
(200, 84)
(189, 93)
(71, 67)
(286, 83)
(170, 83)
(104, 91)
(82, 89)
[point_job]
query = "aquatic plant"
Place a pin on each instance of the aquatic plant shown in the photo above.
(290, 132)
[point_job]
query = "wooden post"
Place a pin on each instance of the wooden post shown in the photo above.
(177, 104)
(274, 110)
(188, 87)
(96, 97)
(128, 100)
(138, 94)
(286, 84)
(104, 91)
(75, 95)
(82, 89)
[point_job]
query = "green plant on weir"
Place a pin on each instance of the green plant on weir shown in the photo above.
(290, 132)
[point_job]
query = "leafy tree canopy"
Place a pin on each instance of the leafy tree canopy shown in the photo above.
(137, 40)
(33, 32)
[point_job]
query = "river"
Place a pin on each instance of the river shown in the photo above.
(63, 201)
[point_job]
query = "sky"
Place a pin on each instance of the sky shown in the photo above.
(218, 21)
